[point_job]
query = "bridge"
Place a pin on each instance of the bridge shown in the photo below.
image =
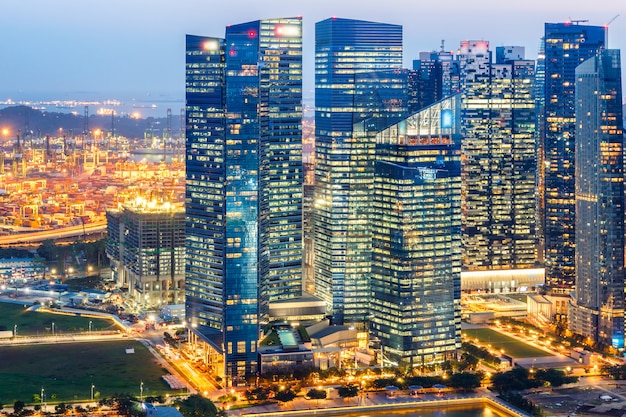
(32, 238)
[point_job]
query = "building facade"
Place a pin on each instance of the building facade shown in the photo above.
(499, 158)
(597, 310)
(344, 50)
(416, 237)
(146, 246)
(567, 45)
(244, 183)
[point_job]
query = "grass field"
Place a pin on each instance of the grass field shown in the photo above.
(66, 371)
(30, 323)
(512, 347)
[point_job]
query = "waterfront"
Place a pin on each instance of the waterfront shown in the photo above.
(447, 411)
(378, 404)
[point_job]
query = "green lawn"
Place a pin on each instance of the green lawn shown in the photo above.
(512, 347)
(31, 323)
(66, 371)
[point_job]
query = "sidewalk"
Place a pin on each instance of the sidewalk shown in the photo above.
(374, 401)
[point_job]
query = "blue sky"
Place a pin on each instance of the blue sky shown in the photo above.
(136, 47)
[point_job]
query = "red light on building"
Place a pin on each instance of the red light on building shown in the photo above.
(251, 34)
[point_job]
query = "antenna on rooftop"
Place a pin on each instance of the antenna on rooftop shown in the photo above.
(443, 42)
(575, 21)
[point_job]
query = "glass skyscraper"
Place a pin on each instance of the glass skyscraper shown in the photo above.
(597, 310)
(244, 183)
(344, 50)
(567, 45)
(416, 232)
(499, 159)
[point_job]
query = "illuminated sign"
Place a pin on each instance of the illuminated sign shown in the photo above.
(446, 119)
(287, 30)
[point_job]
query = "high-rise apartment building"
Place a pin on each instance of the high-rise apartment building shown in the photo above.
(244, 184)
(146, 246)
(499, 159)
(567, 45)
(416, 237)
(344, 50)
(597, 310)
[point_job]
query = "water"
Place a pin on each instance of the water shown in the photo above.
(142, 105)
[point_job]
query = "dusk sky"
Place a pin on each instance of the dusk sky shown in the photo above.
(113, 48)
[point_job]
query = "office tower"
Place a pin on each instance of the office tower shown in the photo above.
(426, 81)
(567, 45)
(344, 165)
(416, 237)
(597, 310)
(244, 184)
(146, 246)
(499, 162)
(540, 102)
(435, 76)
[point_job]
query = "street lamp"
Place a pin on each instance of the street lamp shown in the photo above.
(92, 387)
(89, 326)
(52, 328)
(14, 330)
(42, 397)
(141, 391)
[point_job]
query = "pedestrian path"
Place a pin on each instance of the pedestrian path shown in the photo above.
(372, 402)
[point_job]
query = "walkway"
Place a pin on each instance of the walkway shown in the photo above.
(373, 402)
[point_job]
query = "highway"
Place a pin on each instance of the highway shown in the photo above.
(53, 234)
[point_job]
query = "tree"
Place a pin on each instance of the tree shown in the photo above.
(18, 406)
(554, 377)
(348, 391)
(615, 372)
(466, 381)
(316, 394)
(197, 406)
(285, 395)
(257, 394)
(125, 404)
(516, 379)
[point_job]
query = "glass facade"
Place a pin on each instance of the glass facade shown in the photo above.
(435, 75)
(597, 310)
(416, 237)
(344, 163)
(244, 189)
(566, 46)
(499, 159)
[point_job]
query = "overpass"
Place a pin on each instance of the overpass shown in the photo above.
(24, 239)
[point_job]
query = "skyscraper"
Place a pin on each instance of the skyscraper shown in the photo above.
(498, 168)
(597, 310)
(416, 237)
(435, 75)
(146, 246)
(244, 183)
(344, 49)
(567, 45)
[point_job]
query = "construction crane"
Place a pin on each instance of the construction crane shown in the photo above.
(606, 31)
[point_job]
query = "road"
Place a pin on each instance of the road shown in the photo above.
(52, 234)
